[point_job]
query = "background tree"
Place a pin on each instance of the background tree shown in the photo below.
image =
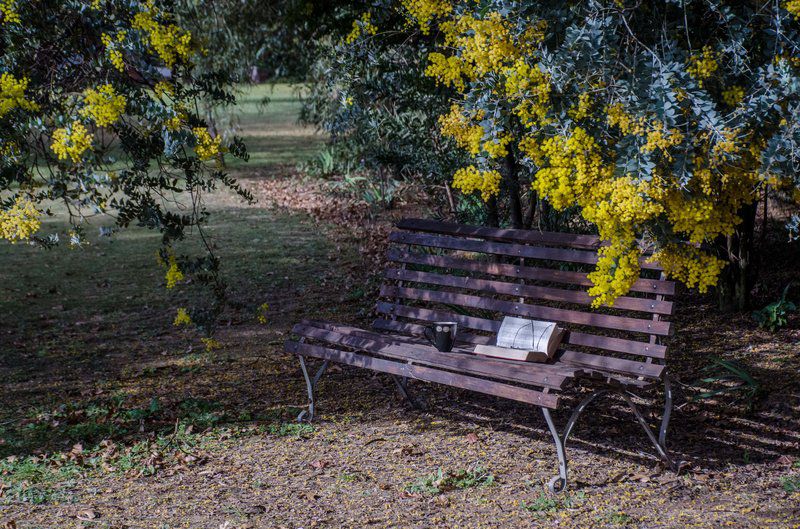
(99, 112)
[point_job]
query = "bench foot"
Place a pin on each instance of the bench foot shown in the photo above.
(559, 483)
(402, 385)
(311, 385)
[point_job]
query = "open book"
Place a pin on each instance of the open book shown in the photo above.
(522, 339)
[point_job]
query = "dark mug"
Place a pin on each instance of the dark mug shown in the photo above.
(442, 334)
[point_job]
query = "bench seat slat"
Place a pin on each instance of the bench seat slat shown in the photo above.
(605, 321)
(608, 363)
(579, 297)
(544, 375)
(652, 286)
(428, 374)
(498, 248)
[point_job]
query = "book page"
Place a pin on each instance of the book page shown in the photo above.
(521, 333)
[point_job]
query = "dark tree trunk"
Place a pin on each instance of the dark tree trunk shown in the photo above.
(512, 186)
(737, 279)
(534, 200)
(492, 217)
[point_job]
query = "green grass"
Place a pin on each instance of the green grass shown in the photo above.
(548, 504)
(291, 429)
(271, 132)
(791, 483)
(36, 480)
(441, 481)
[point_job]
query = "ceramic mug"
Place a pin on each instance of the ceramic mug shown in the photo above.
(442, 334)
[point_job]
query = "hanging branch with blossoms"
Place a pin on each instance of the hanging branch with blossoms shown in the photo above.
(98, 112)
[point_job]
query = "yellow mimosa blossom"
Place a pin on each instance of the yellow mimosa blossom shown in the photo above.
(8, 12)
(112, 49)
(71, 142)
(470, 179)
(207, 147)
(174, 273)
(20, 221)
(103, 105)
(362, 26)
(423, 12)
(182, 318)
(703, 65)
(170, 42)
(12, 94)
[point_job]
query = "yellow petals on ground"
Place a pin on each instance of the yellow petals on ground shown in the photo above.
(103, 105)
(71, 142)
(12, 94)
(20, 221)
(470, 179)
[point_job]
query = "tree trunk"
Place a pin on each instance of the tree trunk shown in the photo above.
(737, 279)
(492, 217)
(534, 199)
(512, 185)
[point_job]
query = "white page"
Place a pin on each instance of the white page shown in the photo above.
(521, 333)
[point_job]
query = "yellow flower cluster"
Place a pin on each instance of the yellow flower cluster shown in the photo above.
(207, 147)
(733, 95)
(8, 10)
(616, 271)
(690, 265)
(793, 7)
(703, 65)
(470, 179)
(168, 41)
(174, 273)
(659, 138)
(485, 45)
(466, 134)
(498, 147)
(112, 49)
(423, 12)
(446, 70)
(182, 318)
(71, 142)
(103, 105)
(20, 221)
(530, 88)
(362, 26)
(617, 116)
(584, 107)
(163, 88)
(12, 94)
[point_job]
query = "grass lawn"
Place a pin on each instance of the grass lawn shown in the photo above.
(111, 417)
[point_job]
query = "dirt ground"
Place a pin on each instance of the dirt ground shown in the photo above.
(112, 418)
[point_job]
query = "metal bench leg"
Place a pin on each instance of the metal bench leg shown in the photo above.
(660, 442)
(559, 483)
(311, 384)
(402, 385)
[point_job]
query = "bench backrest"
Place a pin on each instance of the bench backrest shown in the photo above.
(475, 275)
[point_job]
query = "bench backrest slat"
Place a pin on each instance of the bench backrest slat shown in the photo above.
(475, 275)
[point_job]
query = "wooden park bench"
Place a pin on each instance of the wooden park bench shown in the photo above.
(474, 275)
